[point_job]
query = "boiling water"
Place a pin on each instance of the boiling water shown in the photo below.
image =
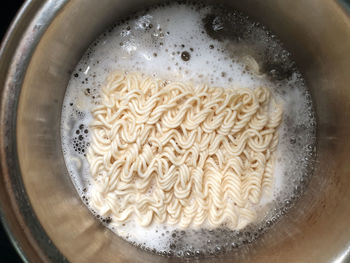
(200, 44)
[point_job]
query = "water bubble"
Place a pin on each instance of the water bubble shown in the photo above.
(179, 253)
(185, 56)
(218, 249)
(188, 254)
(293, 140)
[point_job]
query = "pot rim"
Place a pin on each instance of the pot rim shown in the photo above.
(17, 216)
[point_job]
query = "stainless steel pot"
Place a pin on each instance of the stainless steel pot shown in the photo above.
(39, 205)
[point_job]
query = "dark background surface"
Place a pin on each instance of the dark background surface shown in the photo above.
(7, 12)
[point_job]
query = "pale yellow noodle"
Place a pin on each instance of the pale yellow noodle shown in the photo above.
(177, 153)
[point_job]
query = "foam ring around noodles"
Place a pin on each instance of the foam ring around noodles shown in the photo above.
(179, 153)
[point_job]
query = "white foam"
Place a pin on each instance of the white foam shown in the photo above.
(154, 236)
(156, 50)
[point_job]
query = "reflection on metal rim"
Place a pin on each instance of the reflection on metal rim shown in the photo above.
(26, 233)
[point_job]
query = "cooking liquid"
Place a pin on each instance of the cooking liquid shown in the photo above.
(195, 43)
